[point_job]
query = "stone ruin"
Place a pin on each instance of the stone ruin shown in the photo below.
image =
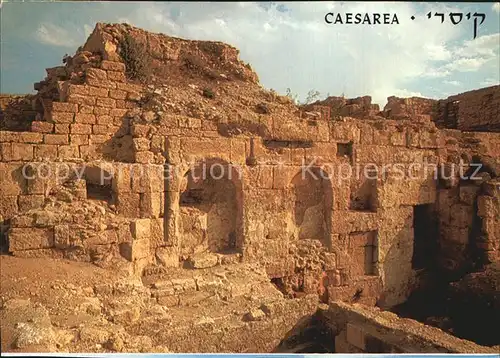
(106, 164)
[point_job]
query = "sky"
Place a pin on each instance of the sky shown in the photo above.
(288, 44)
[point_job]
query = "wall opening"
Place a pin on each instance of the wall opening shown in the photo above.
(210, 210)
(312, 203)
(364, 191)
(424, 237)
(345, 150)
(98, 184)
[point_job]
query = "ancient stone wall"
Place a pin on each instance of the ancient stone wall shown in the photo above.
(476, 110)
(416, 108)
(360, 329)
(344, 231)
(17, 112)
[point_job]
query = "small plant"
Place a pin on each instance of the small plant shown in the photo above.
(292, 96)
(312, 96)
(207, 92)
(135, 57)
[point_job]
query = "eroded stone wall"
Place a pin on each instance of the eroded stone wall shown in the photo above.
(342, 234)
(360, 329)
(476, 110)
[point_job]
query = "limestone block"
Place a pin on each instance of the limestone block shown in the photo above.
(488, 206)
(117, 76)
(355, 336)
(193, 148)
(283, 176)
(22, 152)
(345, 132)
(238, 151)
(203, 260)
(64, 107)
(8, 206)
(144, 157)
(105, 102)
(121, 183)
(167, 256)
(68, 152)
(96, 73)
(344, 222)
(77, 89)
(135, 250)
(59, 117)
(28, 202)
(141, 229)
(259, 177)
(113, 66)
(30, 238)
(150, 204)
(59, 128)
(12, 181)
(78, 128)
(320, 153)
(56, 139)
(85, 119)
(61, 236)
(128, 204)
(42, 127)
(124, 234)
(173, 150)
(141, 144)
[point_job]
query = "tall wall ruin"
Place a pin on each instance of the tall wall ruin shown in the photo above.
(336, 235)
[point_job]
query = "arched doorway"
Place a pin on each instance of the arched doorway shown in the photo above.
(210, 209)
(312, 197)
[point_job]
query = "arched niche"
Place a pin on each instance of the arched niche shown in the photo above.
(210, 209)
(312, 199)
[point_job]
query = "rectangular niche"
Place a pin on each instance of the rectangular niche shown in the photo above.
(363, 194)
(345, 150)
(363, 253)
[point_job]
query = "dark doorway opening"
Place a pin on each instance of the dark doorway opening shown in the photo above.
(424, 237)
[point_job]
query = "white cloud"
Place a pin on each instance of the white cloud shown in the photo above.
(496, 7)
(469, 56)
(486, 45)
(297, 49)
(54, 35)
(436, 73)
(490, 82)
(453, 83)
(437, 52)
(466, 64)
(407, 93)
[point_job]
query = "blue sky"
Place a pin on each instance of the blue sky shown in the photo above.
(288, 44)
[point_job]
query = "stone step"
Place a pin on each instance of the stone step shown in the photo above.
(226, 283)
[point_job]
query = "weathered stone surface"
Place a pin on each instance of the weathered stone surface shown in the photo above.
(30, 238)
(164, 210)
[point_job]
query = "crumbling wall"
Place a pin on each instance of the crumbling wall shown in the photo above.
(17, 112)
(415, 108)
(476, 110)
(345, 234)
(360, 107)
(359, 329)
